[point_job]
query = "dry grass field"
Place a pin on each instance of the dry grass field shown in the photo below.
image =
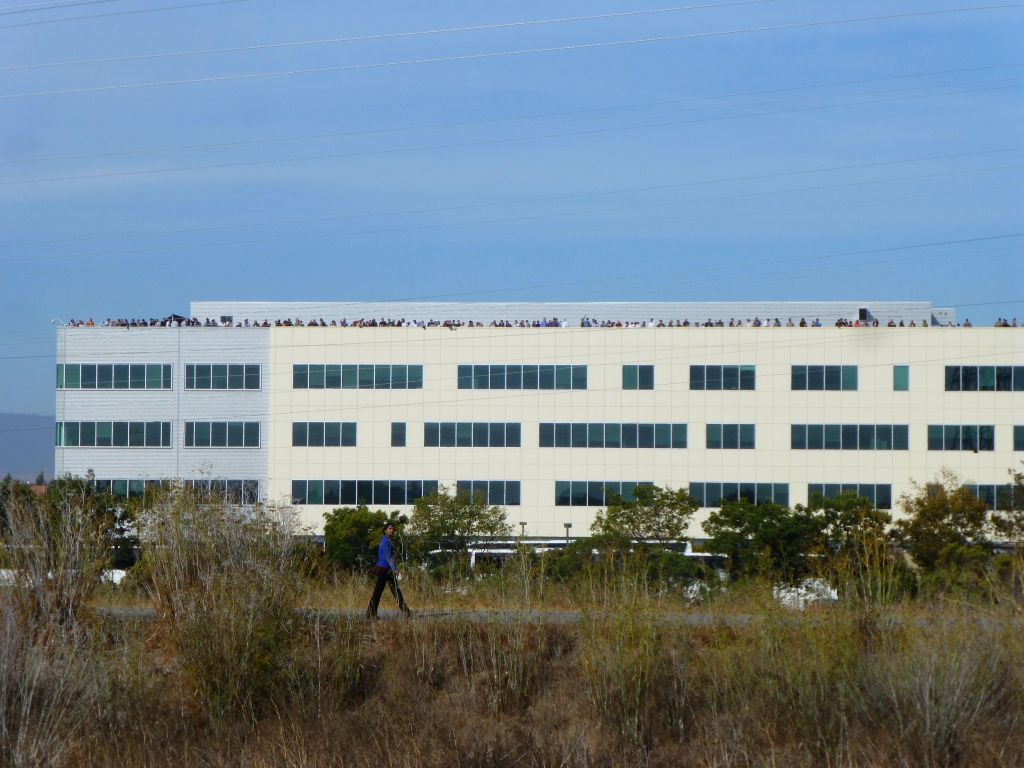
(229, 672)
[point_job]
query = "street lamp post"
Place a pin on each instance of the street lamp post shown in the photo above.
(567, 527)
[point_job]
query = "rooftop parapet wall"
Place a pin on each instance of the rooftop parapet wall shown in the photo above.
(573, 313)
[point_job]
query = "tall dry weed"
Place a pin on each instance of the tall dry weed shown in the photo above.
(948, 692)
(225, 585)
(620, 654)
(48, 683)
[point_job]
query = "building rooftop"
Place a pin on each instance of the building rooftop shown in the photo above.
(575, 313)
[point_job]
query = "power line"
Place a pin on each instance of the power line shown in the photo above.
(545, 215)
(491, 142)
(124, 13)
(12, 10)
(501, 54)
(484, 121)
(548, 199)
(384, 36)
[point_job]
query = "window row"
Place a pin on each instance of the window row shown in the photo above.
(961, 437)
(850, 437)
(522, 377)
(472, 434)
(357, 376)
(222, 376)
(113, 434)
(638, 377)
(114, 376)
(494, 493)
(995, 496)
(382, 492)
(713, 494)
(581, 493)
(824, 377)
(231, 491)
(880, 496)
(583, 435)
(222, 434)
(323, 434)
(728, 377)
(984, 378)
(730, 436)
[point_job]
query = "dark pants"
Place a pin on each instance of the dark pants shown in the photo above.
(385, 576)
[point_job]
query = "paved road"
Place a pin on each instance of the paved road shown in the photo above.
(694, 619)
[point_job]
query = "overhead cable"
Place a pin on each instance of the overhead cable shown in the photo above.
(500, 54)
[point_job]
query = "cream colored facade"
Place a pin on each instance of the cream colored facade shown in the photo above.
(772, 406)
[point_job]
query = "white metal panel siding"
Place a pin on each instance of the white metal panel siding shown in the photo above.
(178, 346)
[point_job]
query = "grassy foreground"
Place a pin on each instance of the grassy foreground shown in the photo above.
(230, 673)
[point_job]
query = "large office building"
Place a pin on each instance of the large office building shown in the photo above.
(542, 418)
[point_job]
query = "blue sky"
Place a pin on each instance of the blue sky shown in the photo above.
(759, 165)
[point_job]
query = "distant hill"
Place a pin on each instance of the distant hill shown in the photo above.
(26, 445)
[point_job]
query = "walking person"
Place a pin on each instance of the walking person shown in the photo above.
(386, 574)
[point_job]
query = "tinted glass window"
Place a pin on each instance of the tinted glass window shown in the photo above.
(900, 378)
(104, 376)
(137, 376)
(398, 434)
(513, 437)
(630, 377)
(696, 377)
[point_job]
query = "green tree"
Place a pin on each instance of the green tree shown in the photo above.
(449, 521)
(659, 515)
(352, 534)
(1008, 517)
(943, 522)
(766, 539)
(861, 559)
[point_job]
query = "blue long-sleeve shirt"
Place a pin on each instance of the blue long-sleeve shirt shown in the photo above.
(385, 557)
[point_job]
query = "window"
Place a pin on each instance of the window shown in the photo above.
(466, 434)
(235, 376)
(398, 434)
(491, 492)
(995, 496)
(722, 377)
(224, 434)
(713, 494)
(352, 492)
(335, 376)
(593, 493)
(1018, 438)
(739, 436)
(638, 377)
(129, 376)
(320, 434)
(824, 377)
(613, 435)
(850, 437)
(522, 377)
(956, 437)
(117, 434)
(880, 496)
(984, 378)
(900, 378)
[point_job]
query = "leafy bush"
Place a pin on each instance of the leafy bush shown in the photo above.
(352, 534)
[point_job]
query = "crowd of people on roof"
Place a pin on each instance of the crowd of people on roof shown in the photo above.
(175, 321)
